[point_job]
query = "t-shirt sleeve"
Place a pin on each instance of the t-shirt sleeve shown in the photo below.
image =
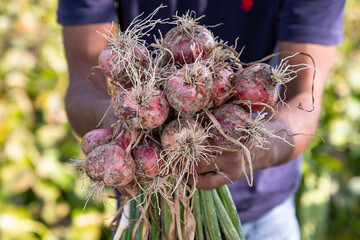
(74, 12)
(312, 21)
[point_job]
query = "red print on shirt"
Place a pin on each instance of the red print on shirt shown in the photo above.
(246, 5)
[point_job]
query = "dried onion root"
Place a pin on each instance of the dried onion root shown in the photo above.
(188, 40)
(186, 145)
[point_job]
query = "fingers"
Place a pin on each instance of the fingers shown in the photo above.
(206, 166)
(223, 169)
(209, 180)
(212, 180)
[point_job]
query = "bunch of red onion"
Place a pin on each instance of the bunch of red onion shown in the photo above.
(179, 102)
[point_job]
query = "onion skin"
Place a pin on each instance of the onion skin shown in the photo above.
(190, 98)
(120, 168)
(95, 138)
(146, 156)
(156, 113)
(184, 142)
(123, 138)
(142, 56)
(180, 43)
(95, 163)
(170, 134)
(108, 62)
(175, 128)
(255, 83)
(110, 163)
(221, 88)
(151, 115)
(231, 117)
(112, 63)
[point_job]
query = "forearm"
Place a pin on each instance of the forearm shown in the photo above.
(87, 98)
(294, 129)
(86, 109)
(300, 124)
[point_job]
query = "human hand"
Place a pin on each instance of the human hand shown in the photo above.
(230, 166)
(219, 170)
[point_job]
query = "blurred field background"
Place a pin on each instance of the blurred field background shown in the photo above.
(40, 195)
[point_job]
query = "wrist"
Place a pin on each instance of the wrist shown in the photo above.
(279, 148)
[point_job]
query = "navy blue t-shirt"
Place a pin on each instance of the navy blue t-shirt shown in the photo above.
(258, 25)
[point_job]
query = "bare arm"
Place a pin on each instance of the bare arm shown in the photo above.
(87, 98)
(300, 124)
(299, 91)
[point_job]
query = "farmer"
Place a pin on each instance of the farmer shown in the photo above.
(315, 27)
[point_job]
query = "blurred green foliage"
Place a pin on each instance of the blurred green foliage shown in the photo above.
(40, 195)
(329, 197)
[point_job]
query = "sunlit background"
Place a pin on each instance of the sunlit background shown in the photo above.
(40, 195)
